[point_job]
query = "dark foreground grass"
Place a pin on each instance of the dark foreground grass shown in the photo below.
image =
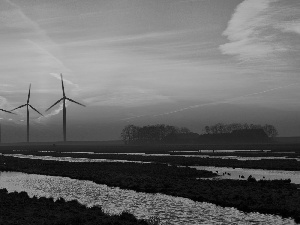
(274, 197)
(18, 208)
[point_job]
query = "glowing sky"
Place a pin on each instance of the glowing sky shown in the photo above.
(180, 62)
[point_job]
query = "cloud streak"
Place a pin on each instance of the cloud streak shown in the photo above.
(3, 101)
(290, 26)
(30, 39)
(211, 103)
(255, 30)
(57, 76)
(127, 97)
(52, 113)
(125, 39)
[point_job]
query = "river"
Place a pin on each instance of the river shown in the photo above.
(169, 209)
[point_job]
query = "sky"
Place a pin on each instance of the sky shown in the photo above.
(186, 63)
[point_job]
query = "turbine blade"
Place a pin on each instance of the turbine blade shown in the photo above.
(54, 104)
(71, 100)
(18, 107)
(28, 94)
(7, 111)
(62, 85)
(36, 110)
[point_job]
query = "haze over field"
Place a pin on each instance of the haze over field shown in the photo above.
(180, 62)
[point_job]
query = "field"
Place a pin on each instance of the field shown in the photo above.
(164, 176)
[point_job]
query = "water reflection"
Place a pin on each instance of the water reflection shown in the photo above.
(68, 159)
(223, 172)
(258, 174)
(170, 210)
(243, 158)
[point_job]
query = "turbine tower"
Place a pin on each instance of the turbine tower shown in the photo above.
(28, 105)
(0, 123)
(64, 98)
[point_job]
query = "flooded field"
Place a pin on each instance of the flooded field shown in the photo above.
(223, 172)
(200, 156)
(170, 210)
(68, 159)
(242, 174)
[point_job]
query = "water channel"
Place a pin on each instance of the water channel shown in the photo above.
(242, 158)
(258, 174)
(223, 172)
(170, 210)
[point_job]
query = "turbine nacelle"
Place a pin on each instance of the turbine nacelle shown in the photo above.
(64, 98)
(27, 104)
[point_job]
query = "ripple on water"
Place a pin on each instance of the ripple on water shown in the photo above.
(171, 210)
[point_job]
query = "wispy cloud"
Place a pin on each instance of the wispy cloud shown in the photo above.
(4, 104)
(256, 27)
(150, 36)
(52, 113)
(127, 97)
(6, 85)
(29, 38)
(3, 101)
(212, 103)
(46, 57)
(290, 26)
(14, 17)
(57, 76)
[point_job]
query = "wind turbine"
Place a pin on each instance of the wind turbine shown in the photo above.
(0, 123)
(64, 98)
(28, 105)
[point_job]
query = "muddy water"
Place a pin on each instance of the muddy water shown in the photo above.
(170, 210)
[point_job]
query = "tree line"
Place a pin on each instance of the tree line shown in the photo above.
(221, 128)
(162, 133)
(151, 134)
